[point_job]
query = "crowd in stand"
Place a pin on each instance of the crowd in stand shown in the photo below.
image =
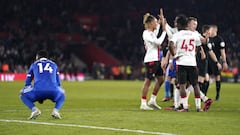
(27, 26)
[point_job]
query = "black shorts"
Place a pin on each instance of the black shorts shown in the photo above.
(153, 69)
(212, 68)
(202, 67)
(187, 73)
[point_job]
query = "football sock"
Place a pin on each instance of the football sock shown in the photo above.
(188, 90)
(201, 86)
(197, 102)
(206, 85)
(144, 97)
(171, 90)
(60, 102)
(167, 88)
(153, 97)
(203, 97)
(27, 102)
(218, 87)
(34, 108)
(143, 101)
(184, 101)
(176, 98)
(55, 110)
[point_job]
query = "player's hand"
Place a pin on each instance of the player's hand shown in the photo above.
(207, 35)
(219, 66)
(20, 92)
(203, 55)
(161, 16)
(164, 23)
(225, 66)
(161, 13)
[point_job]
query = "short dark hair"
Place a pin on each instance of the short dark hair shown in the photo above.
(42, 54)
(182, 22)
(205, 28)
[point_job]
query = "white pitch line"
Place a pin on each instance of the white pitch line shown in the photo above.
(87, 126)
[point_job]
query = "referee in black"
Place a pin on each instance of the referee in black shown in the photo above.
(217, 44)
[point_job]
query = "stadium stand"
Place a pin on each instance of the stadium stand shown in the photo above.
(113, 26)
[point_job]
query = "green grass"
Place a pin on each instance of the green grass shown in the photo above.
(116, 104)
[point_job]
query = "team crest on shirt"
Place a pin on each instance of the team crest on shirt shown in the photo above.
(222, 44)
(209, 45)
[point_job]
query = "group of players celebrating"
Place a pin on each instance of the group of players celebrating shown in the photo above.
(189, 60)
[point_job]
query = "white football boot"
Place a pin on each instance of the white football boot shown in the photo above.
(34, 114)
(154, 105)
(55, 114)
(145, 107)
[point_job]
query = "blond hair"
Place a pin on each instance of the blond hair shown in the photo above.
(147, 19)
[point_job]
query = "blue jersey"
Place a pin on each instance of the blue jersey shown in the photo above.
(45, 74)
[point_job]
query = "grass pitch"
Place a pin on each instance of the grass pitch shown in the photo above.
(113, 106)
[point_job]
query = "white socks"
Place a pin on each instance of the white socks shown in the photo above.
(198, 103)
(203, 97)
(153, 98)
(176, 98)
(56, 110)
(184, 102)
(34, 108)
(143, 101)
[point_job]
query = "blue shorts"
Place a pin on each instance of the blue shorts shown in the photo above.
(172, 73)
(40, 95)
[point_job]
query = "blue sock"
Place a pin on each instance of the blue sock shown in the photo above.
(167, 88)
(27, 102)
(60, 102)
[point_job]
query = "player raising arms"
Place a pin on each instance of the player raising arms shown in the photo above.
(170, 70)
(46, 86)
(152, 59)
(183, 46)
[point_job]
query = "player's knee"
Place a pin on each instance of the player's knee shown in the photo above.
(61, 97)
(22, 96)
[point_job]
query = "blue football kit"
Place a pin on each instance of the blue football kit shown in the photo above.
(46, 85)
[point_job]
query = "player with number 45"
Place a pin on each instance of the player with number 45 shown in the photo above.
(46, 85)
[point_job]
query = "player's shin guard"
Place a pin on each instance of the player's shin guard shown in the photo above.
(27, 102)
(60, 102)
(167, 88)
